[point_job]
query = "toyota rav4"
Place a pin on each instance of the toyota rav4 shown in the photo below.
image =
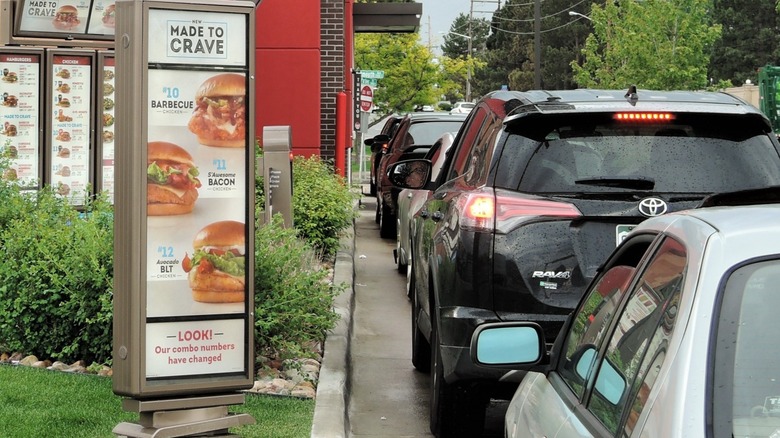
(539, 188)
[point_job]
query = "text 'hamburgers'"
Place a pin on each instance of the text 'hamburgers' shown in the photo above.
(217, 268)
(171, 180)
(220, 111)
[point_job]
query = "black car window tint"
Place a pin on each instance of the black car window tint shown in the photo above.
(480, 155)
(636, 347)
(746, 379)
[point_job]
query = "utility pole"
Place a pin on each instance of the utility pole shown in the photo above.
(468, 57)
(537, 44)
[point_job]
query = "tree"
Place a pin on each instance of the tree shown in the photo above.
(655, 44)
(411, 76)
(511, 58)
(457, 46)
(750, 39)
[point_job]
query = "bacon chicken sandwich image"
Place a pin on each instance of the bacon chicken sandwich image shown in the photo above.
(64, 73)
(217, 268)
(66, 18)
(220, 111)
(171, 180)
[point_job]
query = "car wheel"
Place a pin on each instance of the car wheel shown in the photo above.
(421, 349)
(401, 265)
(386, 223)
(455, 411)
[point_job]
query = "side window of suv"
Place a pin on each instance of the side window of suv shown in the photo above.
(461, 160)
(637, 346)
(479, 157)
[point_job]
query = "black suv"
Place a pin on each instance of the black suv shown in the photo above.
(538, 190)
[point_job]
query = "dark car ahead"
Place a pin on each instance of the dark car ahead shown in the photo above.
(415, 135)
(379, 144)
(527, 210)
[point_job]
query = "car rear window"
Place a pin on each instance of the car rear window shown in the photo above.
(702, 153)
(426, 133)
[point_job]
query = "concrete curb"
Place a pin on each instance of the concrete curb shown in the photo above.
(330, 409)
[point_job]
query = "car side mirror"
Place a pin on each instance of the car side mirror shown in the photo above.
(410, 174)
(610, 382)
(508, 344)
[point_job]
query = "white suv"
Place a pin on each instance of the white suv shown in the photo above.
(462, 108)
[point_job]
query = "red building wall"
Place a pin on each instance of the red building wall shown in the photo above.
(288, 67)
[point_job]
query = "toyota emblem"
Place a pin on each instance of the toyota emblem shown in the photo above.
(653, 207)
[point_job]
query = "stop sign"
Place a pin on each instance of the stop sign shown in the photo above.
(366, 98)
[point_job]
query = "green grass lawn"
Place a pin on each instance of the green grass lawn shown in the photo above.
(36, 402)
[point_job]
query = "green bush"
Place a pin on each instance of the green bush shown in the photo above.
(57, 271)
(293, 297)
(322, 203)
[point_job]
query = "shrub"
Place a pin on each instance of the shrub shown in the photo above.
(322, 203)
(293, 297)
(57, 270)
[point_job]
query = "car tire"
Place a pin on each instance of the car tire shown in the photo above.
(455, 411)
(401, 265)
(421, 349)
(386, 223)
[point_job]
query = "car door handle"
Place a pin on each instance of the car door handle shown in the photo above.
(437, 216)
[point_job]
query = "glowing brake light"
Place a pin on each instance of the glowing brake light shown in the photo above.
(644, 117)
(484, 211)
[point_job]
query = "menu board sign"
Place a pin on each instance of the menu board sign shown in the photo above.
(107, 124)
(68, 17)
(20, 116)
(71, 123)
(196, 194)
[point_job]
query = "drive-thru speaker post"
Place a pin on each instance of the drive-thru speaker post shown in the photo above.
(184, 205)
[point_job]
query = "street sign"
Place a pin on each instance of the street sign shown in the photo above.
(372, 74)
(366, 98)
(373, 82)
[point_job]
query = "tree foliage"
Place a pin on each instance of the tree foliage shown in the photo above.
(411, 76)
(750, 39)
(655, 44)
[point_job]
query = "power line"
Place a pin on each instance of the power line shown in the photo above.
(530, 20)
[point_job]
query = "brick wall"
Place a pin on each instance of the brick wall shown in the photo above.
(332, 61)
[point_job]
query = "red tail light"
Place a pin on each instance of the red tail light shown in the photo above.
(644, 117)
(485, 211)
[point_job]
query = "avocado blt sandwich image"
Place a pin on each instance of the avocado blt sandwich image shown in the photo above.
(216, 271)
(171, 180)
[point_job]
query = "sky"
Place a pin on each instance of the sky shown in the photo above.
(438, 16)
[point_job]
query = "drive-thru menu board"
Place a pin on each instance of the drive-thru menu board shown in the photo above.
(67, 17)
(71, 123)
(20, 88)
(105, 136)
(197, 303)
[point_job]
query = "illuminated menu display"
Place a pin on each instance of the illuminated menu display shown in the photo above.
(107, 124)
(197, 202)
(70, 17)
(71, 84)
(19, 117)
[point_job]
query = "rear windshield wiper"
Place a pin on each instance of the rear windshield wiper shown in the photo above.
(627, 182)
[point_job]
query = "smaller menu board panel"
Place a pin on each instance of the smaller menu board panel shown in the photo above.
(68, 17)
(20, 116)
(71, 98)
(107, 123)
